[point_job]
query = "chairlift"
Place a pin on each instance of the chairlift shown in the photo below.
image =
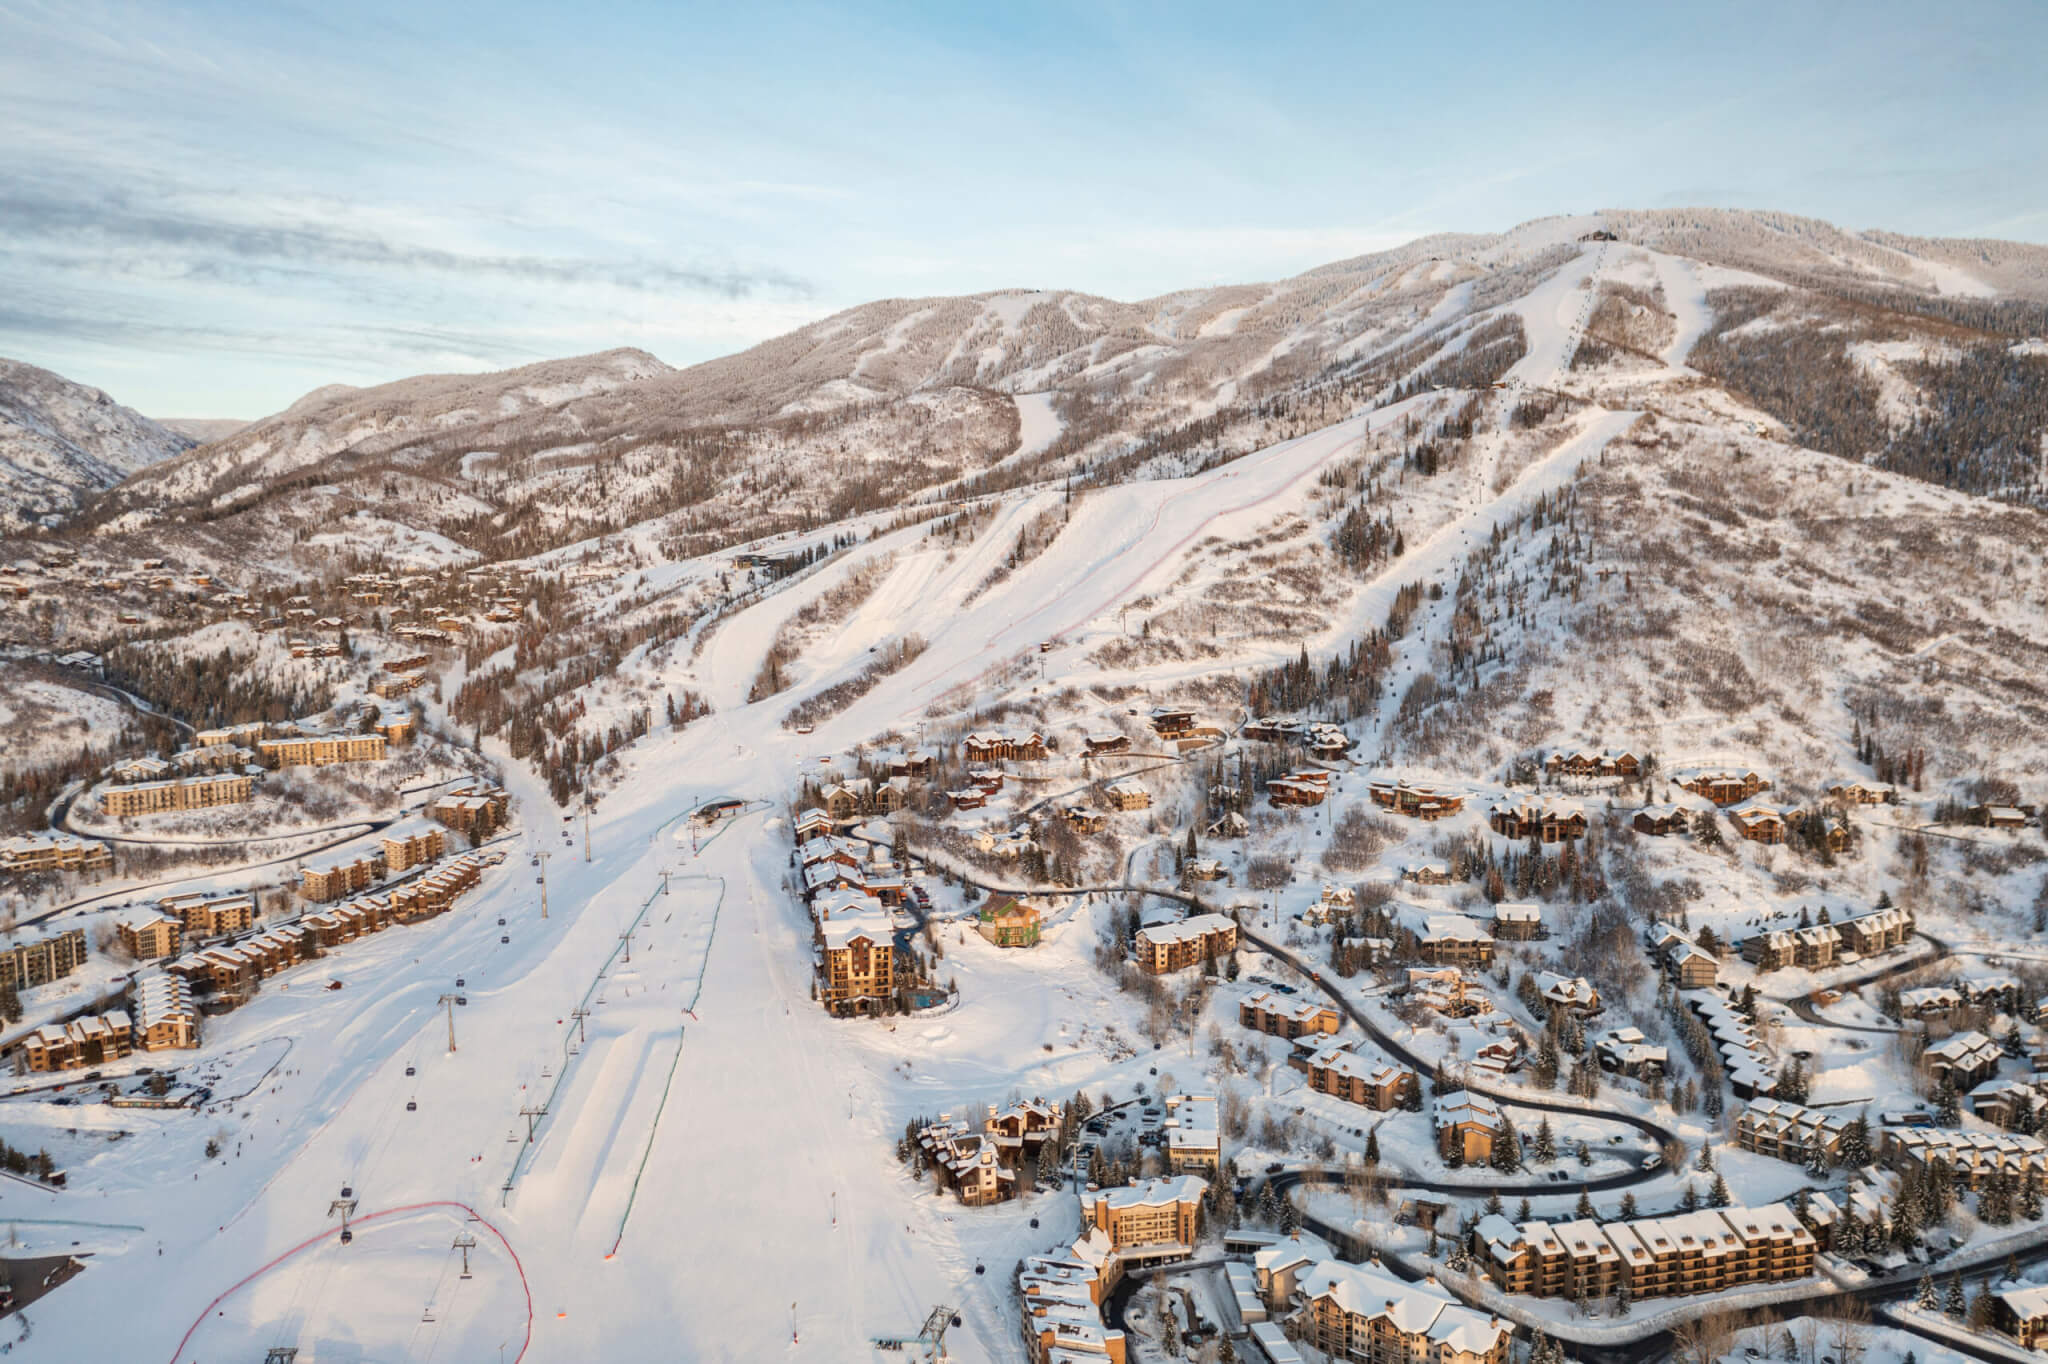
(501, 922)
(347, 1192)
(411, 1071)
(412, 1106)
(460, 982)
(427, 1317)
(462, 1000)
(504, 937)
(347, 1236)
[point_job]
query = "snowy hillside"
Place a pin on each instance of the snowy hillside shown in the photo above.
(61, 441)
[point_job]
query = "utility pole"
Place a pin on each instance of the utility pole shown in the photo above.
(449, 1001)
(543, 855)
(465, 1243)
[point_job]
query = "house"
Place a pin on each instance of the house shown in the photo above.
(1930, 1001)
(1448, 991)
(968, 798)
(1170, 722)
(1336, 1070)
(1193, 1139)
(920, 764)
(989, 779)
(1127, 794)
(1163, 948)
(1416, 802)
(1308, 787)
(1723, 786)
(1575, 993)
(1550, 822)
(1284, 1016)
(968, 1162)
(1466, 1125)
(1085, 819)
(849, 799)
(1761, 823)
(1008, 921)
(1865, 793)
(1108, 741)
(1427, 873)
(1625, 1051)
(1602, 764)
(1361, 1312)
(1999, 816)
(145, 939)
(1693, 966)
(1206, 869)
(1661, 820)
(1968, 1059)
(997, 746)
(1230, 824)
(2015, 1105)
(1517, 922)
(1454, 940)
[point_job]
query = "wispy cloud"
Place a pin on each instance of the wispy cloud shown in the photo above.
(231, 250)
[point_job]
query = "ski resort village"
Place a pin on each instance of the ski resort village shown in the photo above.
(1483, 804)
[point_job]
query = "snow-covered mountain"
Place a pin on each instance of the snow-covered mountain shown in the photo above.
(60, 441)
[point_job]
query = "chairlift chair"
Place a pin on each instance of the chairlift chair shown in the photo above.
(412, 1106)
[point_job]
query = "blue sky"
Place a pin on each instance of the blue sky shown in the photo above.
(208, 209)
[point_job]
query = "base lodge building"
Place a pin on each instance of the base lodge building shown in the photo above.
(1163, 948)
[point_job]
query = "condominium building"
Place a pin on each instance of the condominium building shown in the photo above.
(81, 1043)
(333, 880)
(210, 917)
(1686, 1253)
(158, 935)
(1193, 1139)
(1789, 1131)
(475, 812)
(1362, 1313)
(189, 793)
(1148, 1215)
(1969, 1157)
(402, 851)
(27, 964)
(857, 953)
(161, 1005)
(1467, 1124)
(321, 750)
(1162, 948)
(1336, 1070)
(53, 852)
(1286, 1016)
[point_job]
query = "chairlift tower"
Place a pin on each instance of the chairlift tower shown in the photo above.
(465, 1243)
(543, 855)
(449, 1002)
(345, 1208)
(281, 1354)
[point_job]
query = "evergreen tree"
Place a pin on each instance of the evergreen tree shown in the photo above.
(1372, 1146)
(1718, 1195)
(1705, 1159)
(1584, 1207)
(1927, 1299)
(1947, 1108)
(1955, 1305)
(1493, 1203)
(1621, 1296)
(1628, 1206)
(1523, 1212)
(1690, 1200)
(1546, 1142)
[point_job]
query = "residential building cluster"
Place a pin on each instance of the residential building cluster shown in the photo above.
(1416, 802)
(980, 1163)
(1164, 948)
(1580, 763)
